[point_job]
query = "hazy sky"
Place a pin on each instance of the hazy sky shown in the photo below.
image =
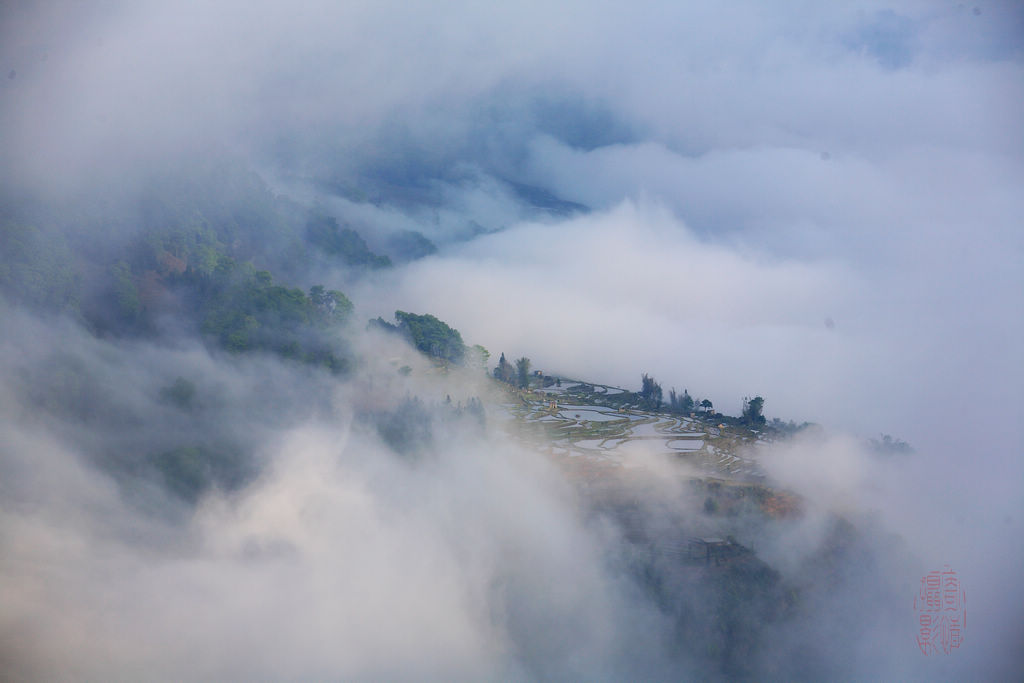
(819, 203)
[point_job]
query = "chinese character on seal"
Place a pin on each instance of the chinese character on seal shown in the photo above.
(941, 607)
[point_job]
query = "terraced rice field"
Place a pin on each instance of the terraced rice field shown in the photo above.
(568, 421)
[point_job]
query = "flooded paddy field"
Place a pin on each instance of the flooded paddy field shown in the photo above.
(597, 422)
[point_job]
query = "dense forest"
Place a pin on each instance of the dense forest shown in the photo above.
(210, 254)
(201, 252)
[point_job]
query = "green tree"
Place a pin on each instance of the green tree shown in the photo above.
(523, 372)
(686, 402)
(344, 243)
(432, 336)
(331, 305)
(382, 325)
(650, 392)
(752, 408)
(190, 471)
(126, 293)
(408, 429)
(503, 372)
(244, 310)
(890, 446)
(680, 404)
(478, 357)
(38, 268)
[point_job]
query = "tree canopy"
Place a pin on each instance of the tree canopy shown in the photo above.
(650, 392)
(344, 243)
(523, 372)
(680, 404)
(752, 408)
(431, 336)
(504, 372)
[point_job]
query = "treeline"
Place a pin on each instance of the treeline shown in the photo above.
(411, 427)
(230, 303)
(650, 397)
(243, 309)
(325, 233)
(517, 375)
(751, 414)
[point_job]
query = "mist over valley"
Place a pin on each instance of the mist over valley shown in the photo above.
(659, 341)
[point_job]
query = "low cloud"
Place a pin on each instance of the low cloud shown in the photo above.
(634, 290)
(339, 558)
(819, 205)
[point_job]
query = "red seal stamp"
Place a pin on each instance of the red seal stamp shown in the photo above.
(941, 606)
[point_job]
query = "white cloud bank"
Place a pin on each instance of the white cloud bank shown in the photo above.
(771, 168)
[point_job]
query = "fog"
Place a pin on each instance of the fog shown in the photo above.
(818, 205)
